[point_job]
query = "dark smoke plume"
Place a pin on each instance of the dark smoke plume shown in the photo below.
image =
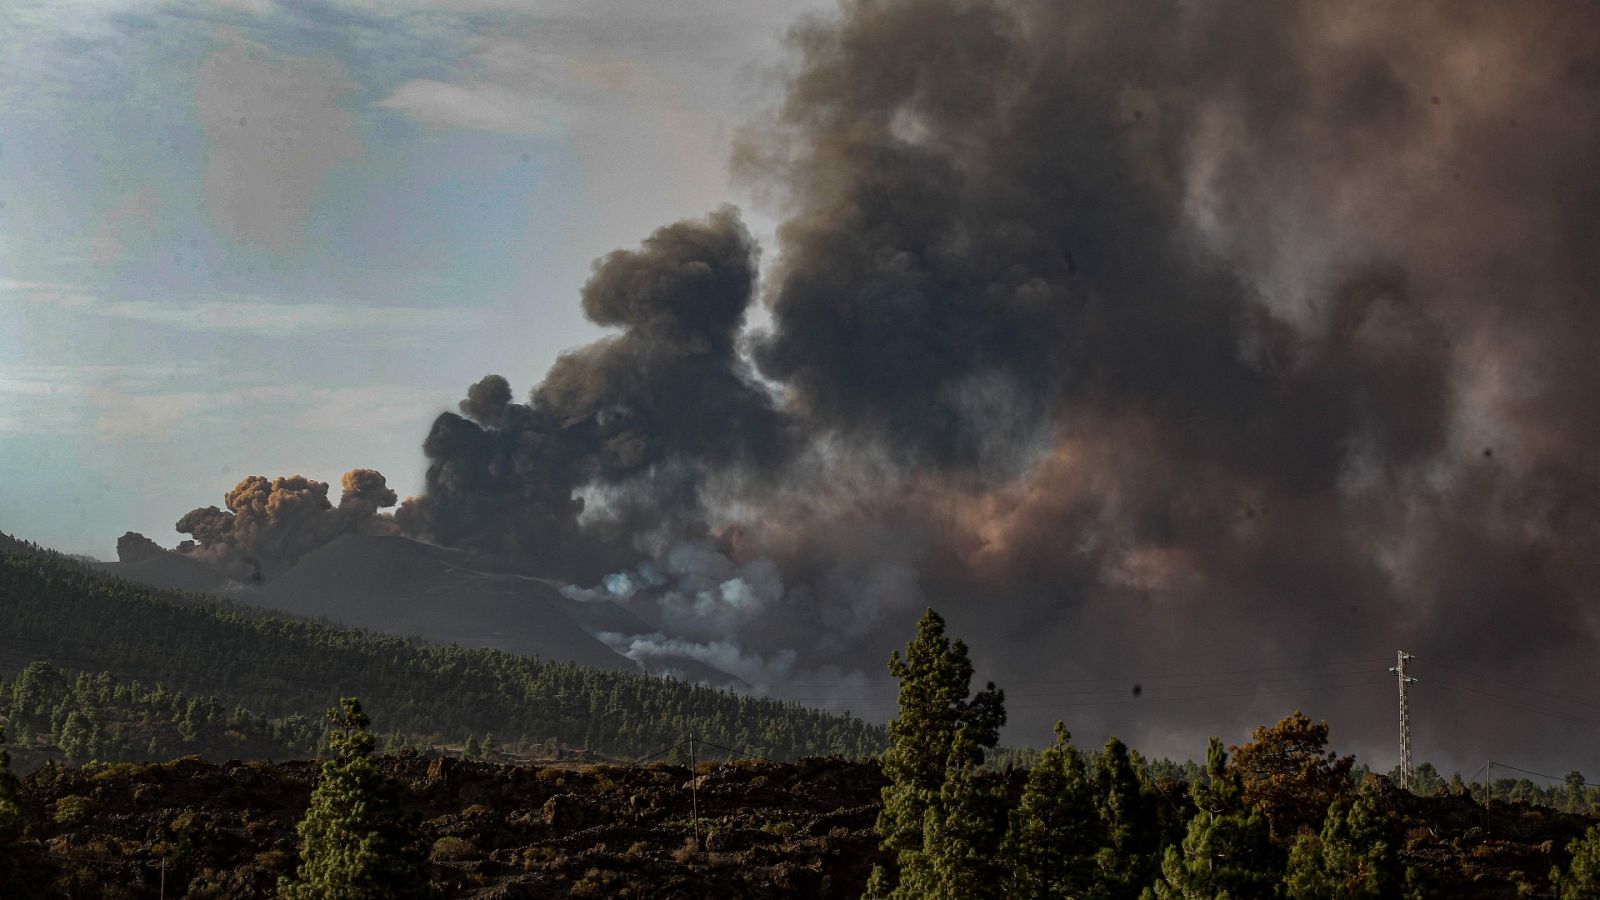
(134, 547)
(1212, 333)
(1147, 336)
(269, 525)
(1139, 337)
(638, 421)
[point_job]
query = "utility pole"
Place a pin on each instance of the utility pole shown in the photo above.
(1399, 671)
(1488, 792)
(694, 793)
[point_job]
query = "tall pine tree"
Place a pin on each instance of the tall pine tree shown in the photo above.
(355, 841)
(1228, 851)
(961, 835)
(1055, 830)
(1130, 857)
(935, 681)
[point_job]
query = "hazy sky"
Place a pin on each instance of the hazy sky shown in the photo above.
(278, 237)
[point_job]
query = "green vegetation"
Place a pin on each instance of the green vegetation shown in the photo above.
(1228, 851)
(1581, 881)
(10, 810)
(961, 834)
(1056, 831)
(1140, 821)
(355, 841)
(1280, 817)
(10, 813)
(250, 674)
(1357, 855)
(935, 681)
(78, 718)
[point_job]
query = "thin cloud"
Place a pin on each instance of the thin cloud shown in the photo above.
(246, 314)
(271, 317)
(275, 128)
(475, 107)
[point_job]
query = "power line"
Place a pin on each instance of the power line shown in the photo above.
(1036, 695)
(663, 752)
(1508, 701)
(1124, 677)
(1186, 699)
(1526, 771)
(733, 751)
(1510, 684)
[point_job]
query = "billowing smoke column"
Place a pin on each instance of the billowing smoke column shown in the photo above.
(269, 525)
(1139, 337)
(639, 421)
(1206, 333)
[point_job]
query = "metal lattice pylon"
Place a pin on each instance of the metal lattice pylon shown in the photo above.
(1399, 671)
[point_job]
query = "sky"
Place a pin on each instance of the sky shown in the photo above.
(280, 237)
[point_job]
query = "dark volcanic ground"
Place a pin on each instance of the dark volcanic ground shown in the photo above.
(771, 830)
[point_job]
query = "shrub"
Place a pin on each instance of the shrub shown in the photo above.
(452, 849)
(74, 808)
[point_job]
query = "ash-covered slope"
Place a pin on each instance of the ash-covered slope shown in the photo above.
(401, 586)
(171, 571)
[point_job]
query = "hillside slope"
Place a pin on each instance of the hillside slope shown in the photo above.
(57, 611)
(399, 586)
(396, 585)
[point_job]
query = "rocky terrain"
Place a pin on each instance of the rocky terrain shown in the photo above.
(767, 829)
(504, 831)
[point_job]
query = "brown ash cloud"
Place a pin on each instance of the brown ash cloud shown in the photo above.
(267, 525)
(134, 547)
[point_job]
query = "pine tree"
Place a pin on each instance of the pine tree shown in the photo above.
(10, 799)
(935, 680)
(355, 842)
(1581, 881)
(10, 823)
(1056, 830)
(1130, 857)
(1288, 772)
(471, 749)
(961, 835)
(1356, 855)
(1228, 851)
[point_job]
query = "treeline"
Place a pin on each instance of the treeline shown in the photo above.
(75, 718)
(53, 610)
(1279, 817)
(1571, 793)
